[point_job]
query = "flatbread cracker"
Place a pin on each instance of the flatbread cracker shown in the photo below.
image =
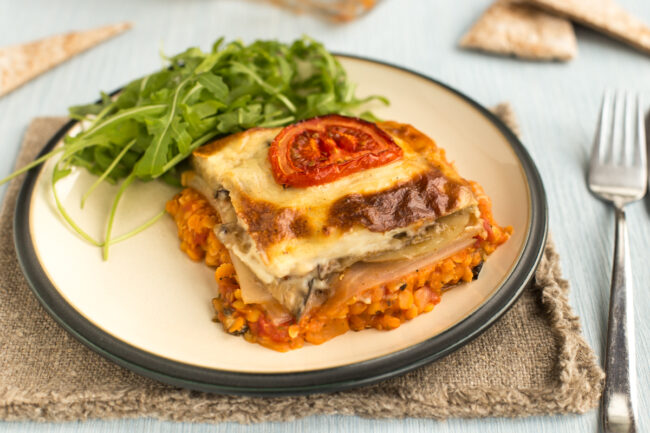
(604, 16)
(512, 28)
(21, 63)
(335, 10)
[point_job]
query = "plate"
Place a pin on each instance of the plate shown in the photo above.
(148, 307)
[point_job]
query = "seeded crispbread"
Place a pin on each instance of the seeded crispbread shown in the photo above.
(605, 16)
(21, 63)
(512, 28)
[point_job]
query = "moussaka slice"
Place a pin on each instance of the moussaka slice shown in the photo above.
(330, 224)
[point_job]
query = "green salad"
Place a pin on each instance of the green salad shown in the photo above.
(154, 123)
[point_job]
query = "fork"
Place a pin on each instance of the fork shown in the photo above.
(617, 174)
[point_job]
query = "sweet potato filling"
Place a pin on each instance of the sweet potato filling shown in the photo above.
(382, 307)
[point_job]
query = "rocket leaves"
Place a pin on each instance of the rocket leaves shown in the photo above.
(155, 122)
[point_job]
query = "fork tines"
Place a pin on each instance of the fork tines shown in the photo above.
(618, 160)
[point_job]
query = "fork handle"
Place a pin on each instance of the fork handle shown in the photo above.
(619, 396)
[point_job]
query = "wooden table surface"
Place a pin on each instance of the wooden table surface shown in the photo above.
(557, 105)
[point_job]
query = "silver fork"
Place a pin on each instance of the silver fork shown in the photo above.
(617, 174)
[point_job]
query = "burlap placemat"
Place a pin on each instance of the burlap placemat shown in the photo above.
(532, 361)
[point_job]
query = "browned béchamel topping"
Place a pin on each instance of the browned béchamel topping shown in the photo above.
(268, 223)
(426, 197)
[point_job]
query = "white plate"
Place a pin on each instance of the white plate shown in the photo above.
(148, 307)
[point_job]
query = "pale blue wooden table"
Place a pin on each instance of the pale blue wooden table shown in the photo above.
(557, 105)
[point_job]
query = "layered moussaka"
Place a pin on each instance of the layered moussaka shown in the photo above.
(330, 224)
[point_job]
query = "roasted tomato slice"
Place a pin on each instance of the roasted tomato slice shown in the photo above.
(324, 149)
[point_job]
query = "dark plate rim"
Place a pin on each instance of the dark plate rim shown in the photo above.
(324, 380)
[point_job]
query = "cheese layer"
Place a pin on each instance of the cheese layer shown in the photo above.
(295, 231)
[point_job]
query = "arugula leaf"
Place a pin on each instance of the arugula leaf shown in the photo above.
(215, 85)
(156, 121)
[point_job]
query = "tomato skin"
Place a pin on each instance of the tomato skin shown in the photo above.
(278, 333)
(488, 229)
(323, 149)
